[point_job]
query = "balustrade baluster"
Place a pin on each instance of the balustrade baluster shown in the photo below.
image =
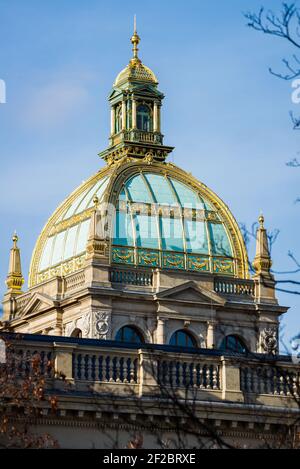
(82, 367)
(194, 375)
(201, 377)
(110, 369)
(89, 367)
(248, 373)
(276, 382)
(208, 377)
(255, 381)
(118, 368)
(288, 384)
(131, 372)
(97, 369)
(215, 379)
(180, 374)
(121, 370)
(281, 383)
(295, 385)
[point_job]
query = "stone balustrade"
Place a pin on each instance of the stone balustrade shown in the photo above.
(270, 380)
(150, 369)
(232, 286)
(105, 367)
(188, 373)
(131, 277)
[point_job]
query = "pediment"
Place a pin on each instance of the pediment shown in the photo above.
(38, 302)
(192, 293)
(115, 92)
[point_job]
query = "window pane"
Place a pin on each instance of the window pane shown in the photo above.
(83, 236)
(45, 261)
(188, 198)
(161, 189)
(129, 334)
(70, 243)
(138, 190)
(99, 191)
(58, 248)
(196, 236)
(172, 234)
(123, 230)
(232, 343)
(146, 231)
(144, 121)
(182, 339)
(219, 240)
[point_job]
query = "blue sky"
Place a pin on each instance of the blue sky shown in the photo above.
(224, 113)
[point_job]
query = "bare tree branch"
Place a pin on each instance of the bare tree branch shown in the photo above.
(286, 25)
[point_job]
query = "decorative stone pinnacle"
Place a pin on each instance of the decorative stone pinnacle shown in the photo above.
(262, 261)
(15, 280)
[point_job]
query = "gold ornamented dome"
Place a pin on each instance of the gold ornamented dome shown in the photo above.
(153, 214)
(163, 218)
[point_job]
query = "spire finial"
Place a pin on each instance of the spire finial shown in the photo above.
(135, 40)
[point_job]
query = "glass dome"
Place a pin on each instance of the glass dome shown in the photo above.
(162, 222)
(163, 218)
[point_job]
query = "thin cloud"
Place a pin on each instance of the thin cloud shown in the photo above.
(53, 104)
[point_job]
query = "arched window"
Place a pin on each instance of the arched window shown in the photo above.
(183, 339)
(77, 333)
(129, 334)
(233, 343)
(118, 119)
(144, 119)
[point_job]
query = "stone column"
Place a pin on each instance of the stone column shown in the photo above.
(161, 331)
(133, 113)
(113, 120)
(124, 115)
(156, 117)
(210, 340)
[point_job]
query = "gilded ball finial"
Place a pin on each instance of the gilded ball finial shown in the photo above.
(15, 237)
(261, 220)
(96, 201)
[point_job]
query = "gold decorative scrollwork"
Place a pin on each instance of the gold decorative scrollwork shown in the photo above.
(123, 258)
(174, 261)
(200, 265)
(149, 260)
(223, 266)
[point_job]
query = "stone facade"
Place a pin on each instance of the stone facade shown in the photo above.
(86, 285)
